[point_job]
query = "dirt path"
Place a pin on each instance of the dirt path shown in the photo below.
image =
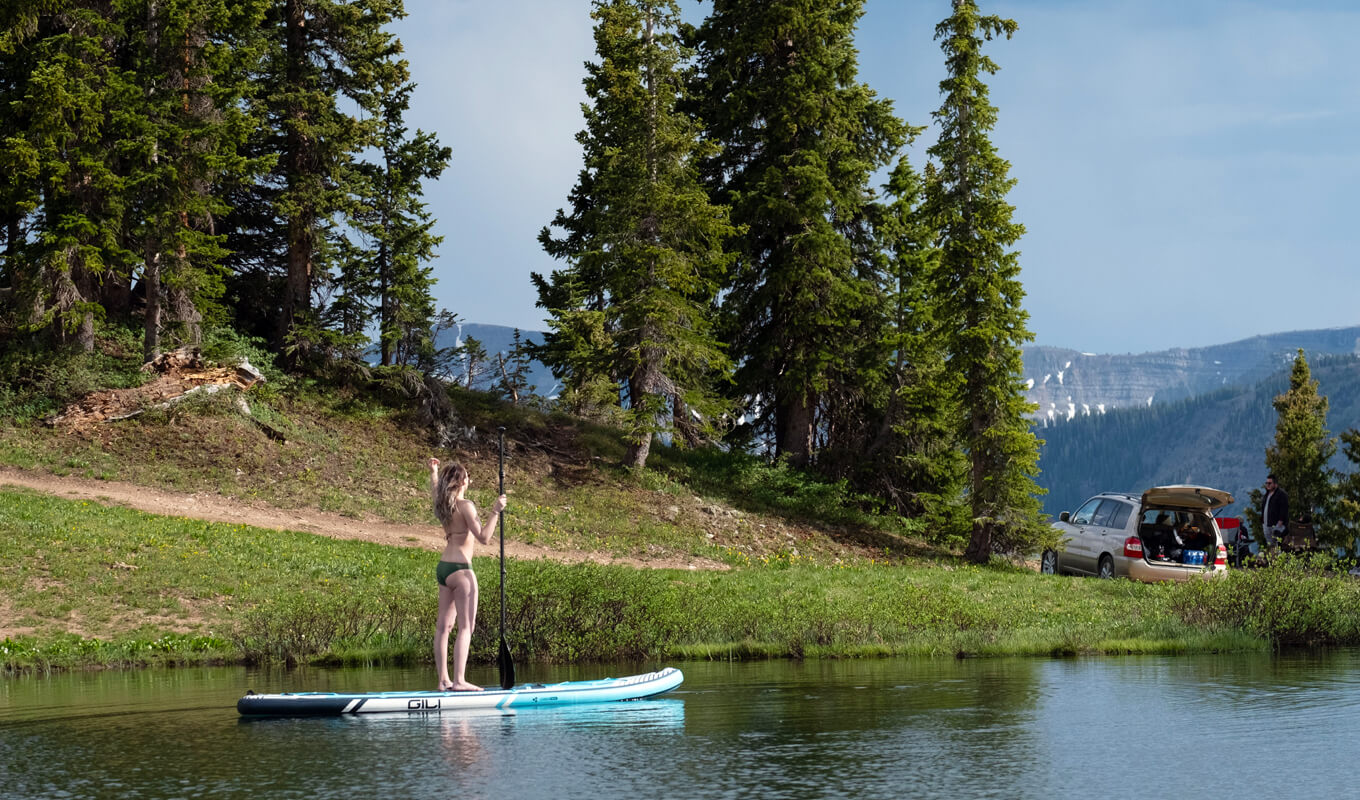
(216, 508)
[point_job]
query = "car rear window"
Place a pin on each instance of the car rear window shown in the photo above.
(1121, 516)
(1105, 513)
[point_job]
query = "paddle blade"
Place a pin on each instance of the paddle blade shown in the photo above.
(507, 666)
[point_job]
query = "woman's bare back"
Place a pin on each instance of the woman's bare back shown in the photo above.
(458, 540)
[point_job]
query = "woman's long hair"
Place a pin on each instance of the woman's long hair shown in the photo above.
(451, 476)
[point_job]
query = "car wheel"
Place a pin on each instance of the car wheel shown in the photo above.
(1048, 563)
(1106, 568)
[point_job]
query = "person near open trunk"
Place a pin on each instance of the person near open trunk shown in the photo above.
(1274, 512)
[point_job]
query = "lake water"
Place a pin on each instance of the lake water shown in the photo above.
(1202, 726)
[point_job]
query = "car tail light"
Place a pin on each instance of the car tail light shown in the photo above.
(1133, 547)
(1221, 560)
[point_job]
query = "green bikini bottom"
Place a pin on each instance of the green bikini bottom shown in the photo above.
(447, 568)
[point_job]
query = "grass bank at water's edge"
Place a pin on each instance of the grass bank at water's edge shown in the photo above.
(93, 585)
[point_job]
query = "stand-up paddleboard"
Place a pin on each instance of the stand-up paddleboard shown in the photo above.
(311, 704)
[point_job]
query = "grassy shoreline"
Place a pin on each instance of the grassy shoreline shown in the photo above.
(101, 586)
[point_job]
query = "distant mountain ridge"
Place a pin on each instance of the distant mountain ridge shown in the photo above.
(1068, 383)
(1217, 439)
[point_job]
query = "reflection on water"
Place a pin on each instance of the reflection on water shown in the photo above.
(1229, 726)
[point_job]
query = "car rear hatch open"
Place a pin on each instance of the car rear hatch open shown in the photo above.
(1190, 498)
(1176, 529)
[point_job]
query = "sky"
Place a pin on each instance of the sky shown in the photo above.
(1186, 169)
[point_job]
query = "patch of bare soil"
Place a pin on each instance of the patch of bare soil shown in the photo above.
(217, 508)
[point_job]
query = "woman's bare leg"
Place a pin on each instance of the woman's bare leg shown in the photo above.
(443, 626)
(464, 584)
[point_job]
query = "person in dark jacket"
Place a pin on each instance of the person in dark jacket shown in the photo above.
(1274, 512)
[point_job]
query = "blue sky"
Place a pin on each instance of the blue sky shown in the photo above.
(1187, 169)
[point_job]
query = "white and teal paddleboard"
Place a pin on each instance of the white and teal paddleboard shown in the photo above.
(309, 704)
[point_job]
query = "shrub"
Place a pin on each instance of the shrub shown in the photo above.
(295, 628)
(1297, 600)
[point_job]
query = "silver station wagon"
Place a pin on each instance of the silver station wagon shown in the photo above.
(1168, 534)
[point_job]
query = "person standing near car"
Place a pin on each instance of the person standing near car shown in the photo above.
(1274, 512)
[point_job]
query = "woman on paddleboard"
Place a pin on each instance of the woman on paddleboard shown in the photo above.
(457, 583)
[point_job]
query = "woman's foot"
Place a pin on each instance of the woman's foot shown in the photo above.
(464, 687)
(445, 686)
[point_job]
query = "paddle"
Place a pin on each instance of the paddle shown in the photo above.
(503, 660)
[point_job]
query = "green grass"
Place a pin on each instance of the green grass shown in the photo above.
(816, 570)
(70, 567)
(213, 592)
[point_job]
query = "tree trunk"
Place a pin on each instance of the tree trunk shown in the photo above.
(984, 509)
(793, 430)
(643, 387)
(301, 236)
(511, 387)
(980, 545)
(184, 312)
(386, 313)
(12, 234)
(83, 282)
(638, 451)
(151, 327)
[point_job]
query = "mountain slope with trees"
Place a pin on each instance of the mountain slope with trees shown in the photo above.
(1217, 439)
(1071, 383)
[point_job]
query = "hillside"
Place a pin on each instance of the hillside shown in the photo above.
(1216, 439)
(320, 460)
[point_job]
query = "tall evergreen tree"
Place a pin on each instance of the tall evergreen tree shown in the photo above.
(18, 186)
(190, 59)
(514, 370)
(643, 243)
(801, 138)
(72, 104)
(322, 58)
(1302, 447)
(980, 292)
(475, 362)
(1341, 526)
(912, 459)
(387, 274)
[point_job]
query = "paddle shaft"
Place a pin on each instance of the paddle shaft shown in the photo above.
(503, 660)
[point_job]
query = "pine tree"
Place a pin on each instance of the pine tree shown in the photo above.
(515, 370)
(387, 274)
(19, 189)
(913, 460)
(190, 59)
(801, 139)
(643, 243)
(321, 58)
(73, 106)
(576, 345)
(1299, 454)
(1341, 525)
(978, 283)
(446, 363)
(473, 354)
